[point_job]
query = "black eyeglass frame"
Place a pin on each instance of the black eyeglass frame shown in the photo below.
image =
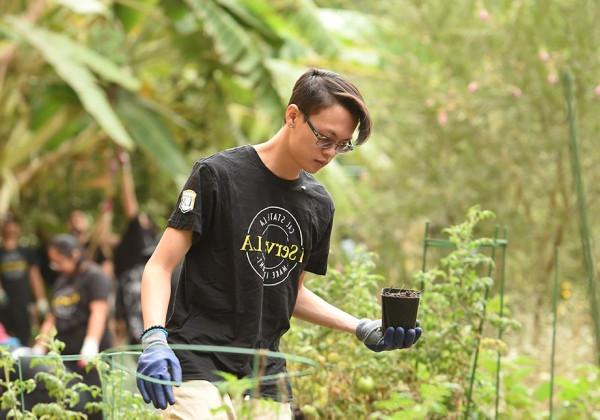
(324, 142)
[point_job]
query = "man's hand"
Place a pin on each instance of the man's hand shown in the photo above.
(42, 307)
(371, 333)
(158, 361)
(88, 351)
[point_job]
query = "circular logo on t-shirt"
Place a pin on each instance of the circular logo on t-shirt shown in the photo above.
(273, 245)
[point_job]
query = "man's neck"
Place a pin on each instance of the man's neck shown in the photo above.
(276, 156)
(10, 244)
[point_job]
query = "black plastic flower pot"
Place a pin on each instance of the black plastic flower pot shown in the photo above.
(399, 307)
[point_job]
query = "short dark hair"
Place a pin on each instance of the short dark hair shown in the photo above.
(11, 218)
(317, 89)
(65, 244)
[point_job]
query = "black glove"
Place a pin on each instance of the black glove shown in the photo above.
(371, 333)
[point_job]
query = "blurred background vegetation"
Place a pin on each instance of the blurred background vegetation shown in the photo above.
(466, 99)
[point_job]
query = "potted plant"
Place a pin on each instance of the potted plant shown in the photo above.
(399, 307)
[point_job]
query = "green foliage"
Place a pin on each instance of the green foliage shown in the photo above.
(63, 385)
(427, 381)
(11, 390)
(120, 397)
(71, 62)
(115, 399)
(454, 301)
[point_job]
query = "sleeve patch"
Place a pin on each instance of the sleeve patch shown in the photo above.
(186, 203)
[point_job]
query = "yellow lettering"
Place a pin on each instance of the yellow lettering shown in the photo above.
(302, 255)
(68, 300)
(293, 251)
(270, 246)
(247, 246)
(279, 246)
(259, 249)
(286, 250)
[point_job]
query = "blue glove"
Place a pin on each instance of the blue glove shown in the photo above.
(157, 361)
(372, 335)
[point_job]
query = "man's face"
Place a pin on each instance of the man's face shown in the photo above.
(10, 230)
(335, 122)
(78, 222)
(62, 263)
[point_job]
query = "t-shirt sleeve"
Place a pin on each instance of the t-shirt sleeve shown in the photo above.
(195, 206)
(99, 286)
(31, 257)
(317, 262)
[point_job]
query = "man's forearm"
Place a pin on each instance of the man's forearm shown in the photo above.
(45, 328)
(37, 283)
(97, 321)
(156, 291)
(312, 308)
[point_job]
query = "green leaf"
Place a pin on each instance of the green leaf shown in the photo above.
(244, 14)
(66, 56)
(132, 14)
(242, 50)
(150, 133)
(542, 392)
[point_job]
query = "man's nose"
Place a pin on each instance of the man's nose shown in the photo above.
(330, 151)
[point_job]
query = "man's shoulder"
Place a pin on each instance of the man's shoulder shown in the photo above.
(316, 190)
(225, 157)
(221, 162)
(93, 270)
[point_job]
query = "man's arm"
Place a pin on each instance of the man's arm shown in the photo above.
(312, 308)
(40, 342)
(94, 330)
(157, 359)
(156, 280)
(130, 203)
(37, 286)
(97, 321)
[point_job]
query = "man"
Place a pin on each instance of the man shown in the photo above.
(250, 222)
(93, 240)
(19, 276)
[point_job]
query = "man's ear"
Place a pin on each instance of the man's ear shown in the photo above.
(292, 113)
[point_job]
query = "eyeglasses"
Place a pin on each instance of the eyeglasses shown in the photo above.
(324, 142)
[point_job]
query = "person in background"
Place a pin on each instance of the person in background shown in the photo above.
(79, 306)
(93, 245)
(140, 232)
(19, 277)
(130, 255)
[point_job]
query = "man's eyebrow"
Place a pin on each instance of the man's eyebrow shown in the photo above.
(331, 135)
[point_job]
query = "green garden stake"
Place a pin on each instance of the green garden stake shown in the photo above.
(554, 310)
(500, 330)
(20, 370)
(480, 330)
(584, 230)
(424, 261)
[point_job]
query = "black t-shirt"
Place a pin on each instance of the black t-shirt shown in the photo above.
(71, 299)
(253, 235)
(14, 274)
(130, 251)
